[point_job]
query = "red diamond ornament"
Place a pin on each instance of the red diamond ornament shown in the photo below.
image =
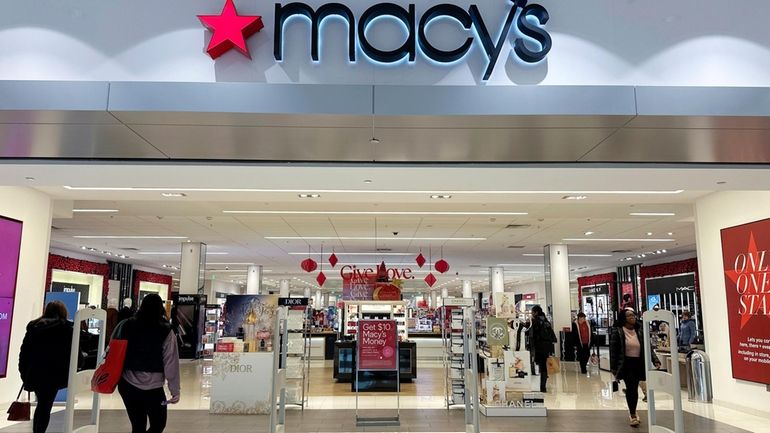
(230, 30)
(430, 279)
(321, 278)
(309, 265)
(420, 260)
(333, 260)
(441, 266)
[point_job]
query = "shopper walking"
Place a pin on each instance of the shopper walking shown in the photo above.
(541, 340)
(127, 311)
(627, 354)
(582, 334)
(687, 331)
(152, 359)
(44, 360)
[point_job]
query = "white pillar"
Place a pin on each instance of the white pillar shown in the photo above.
(557, 294)
(307, 292)
(326, 299)
(318, 299)
(444, 293)
(496, 279)
(254, 280)
(284, 290)
(191, 279)
(467, 289)
(433, 299)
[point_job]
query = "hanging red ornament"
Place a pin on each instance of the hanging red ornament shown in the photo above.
(441, 266)
(420, 260)
(333, 260)
(321, 278)
(309, 265)
(430, 280)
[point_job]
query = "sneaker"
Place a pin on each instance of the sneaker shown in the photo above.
(634, 421)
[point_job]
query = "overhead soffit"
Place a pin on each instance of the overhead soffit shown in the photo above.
(268, 122)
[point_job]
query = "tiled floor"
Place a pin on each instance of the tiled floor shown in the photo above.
(577, 403)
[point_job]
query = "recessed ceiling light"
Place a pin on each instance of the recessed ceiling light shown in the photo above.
(374, 140)
(173, 194)
(617, 240)
(652, 214)
(351, 254)
(95, 210)
(671, 233)
(126, 237)
(307, 195)
(649, 233)
(313, 212)
(511, 192)
(176, 253)
(440, 196)
(29, 178)
(367, 181)
(366, 238)
(588, 233)
(533, 255)
(574, 197)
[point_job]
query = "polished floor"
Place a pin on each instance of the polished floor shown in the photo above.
(576, 403)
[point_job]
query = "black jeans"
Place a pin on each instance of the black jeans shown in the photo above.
(633, 373)
(583, 354)
(45, 398)
(541, 359)
(142, 406)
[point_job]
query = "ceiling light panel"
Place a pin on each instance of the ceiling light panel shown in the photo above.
(652, 214)
(396, 213)
(617, 240)
(126, 237)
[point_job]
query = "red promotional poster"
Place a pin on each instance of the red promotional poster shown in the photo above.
(377, 345)
(746, 262)
(627, 296)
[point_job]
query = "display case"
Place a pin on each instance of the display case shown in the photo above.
(393, 310)
(212, 331)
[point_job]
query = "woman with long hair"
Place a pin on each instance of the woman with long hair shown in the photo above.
(44, 360)
(541, 340)
(627, 358)
(152, 359)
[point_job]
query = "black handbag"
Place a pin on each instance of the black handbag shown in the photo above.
(19, 410)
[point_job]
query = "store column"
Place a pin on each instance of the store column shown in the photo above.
(254, 280)
(193, 270)
(284, 290)
(496, 279)
(731, 235)
(433, 299)
(444, 293)
(318, 299)
(326, 298)
(557, 294)
(467, 289)
(307, 293)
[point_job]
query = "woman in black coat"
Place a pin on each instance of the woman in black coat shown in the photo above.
(627, 352)
(45, 359)
(541, 340)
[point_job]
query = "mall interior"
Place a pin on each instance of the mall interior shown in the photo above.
(356, 228)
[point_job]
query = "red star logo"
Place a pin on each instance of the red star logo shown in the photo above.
(733, 276)
(230, 30)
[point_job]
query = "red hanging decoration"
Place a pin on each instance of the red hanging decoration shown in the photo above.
(333, 260)
(321, 278)
(420, 260)
(430, 280)
(309, 265)
(441, 266)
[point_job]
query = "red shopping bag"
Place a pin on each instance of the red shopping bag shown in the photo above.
(107, 375)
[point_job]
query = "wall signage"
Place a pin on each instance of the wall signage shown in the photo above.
(746, 261)
(524, 23)
(377, 345)
(10, 248)
(351, 272)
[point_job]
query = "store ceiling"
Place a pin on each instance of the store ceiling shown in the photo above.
(481, 208)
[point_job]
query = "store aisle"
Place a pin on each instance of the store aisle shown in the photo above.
(577, 403)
